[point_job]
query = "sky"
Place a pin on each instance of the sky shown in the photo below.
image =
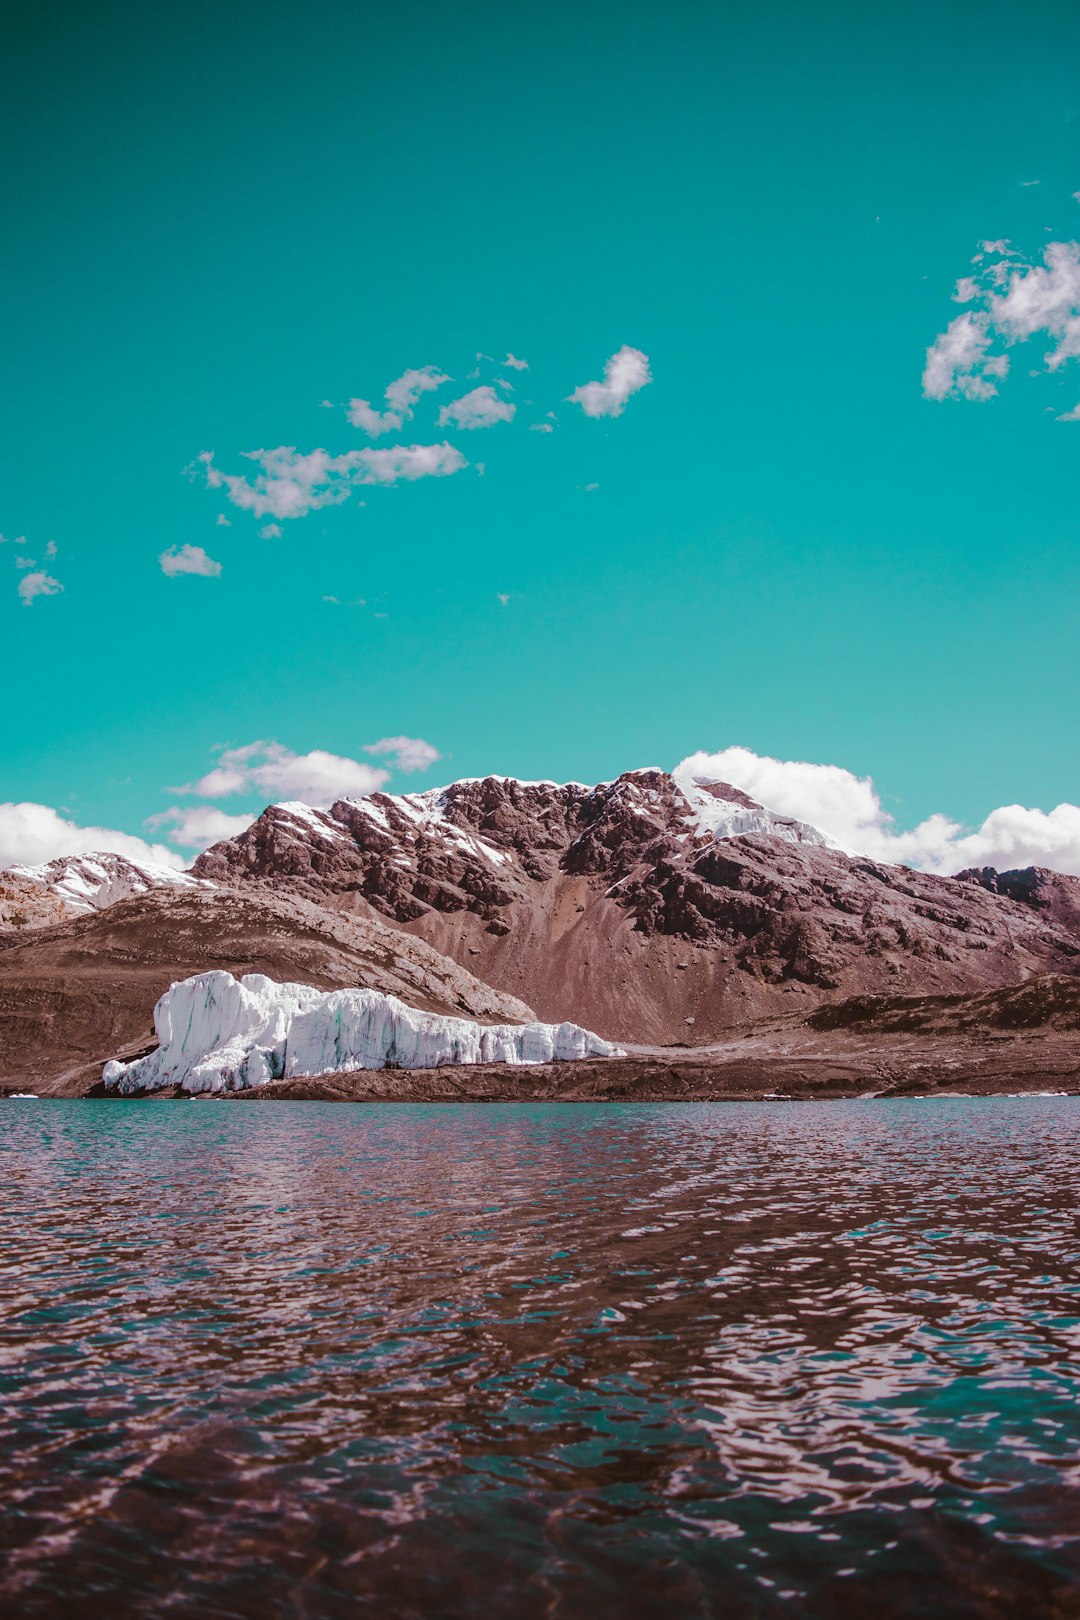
(631, 383)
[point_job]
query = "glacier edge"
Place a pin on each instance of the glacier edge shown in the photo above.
(218, 1033)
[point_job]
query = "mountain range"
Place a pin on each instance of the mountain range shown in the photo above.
(656, 911)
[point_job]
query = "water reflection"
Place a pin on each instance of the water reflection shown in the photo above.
(455, 1361)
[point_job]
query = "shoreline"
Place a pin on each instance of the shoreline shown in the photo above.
(745, 1071)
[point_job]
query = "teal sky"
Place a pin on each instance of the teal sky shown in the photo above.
(217, 216)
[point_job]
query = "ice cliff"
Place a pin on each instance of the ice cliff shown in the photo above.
(218, 1033)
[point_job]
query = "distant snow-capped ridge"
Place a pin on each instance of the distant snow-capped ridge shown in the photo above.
(92, 882)
(218, 1033)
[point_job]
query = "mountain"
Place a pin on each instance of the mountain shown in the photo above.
(80, 992)
(650, 908)
(37, 896)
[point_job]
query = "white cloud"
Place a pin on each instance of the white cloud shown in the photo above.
(275, 772)
(39, 583)
(515, 364)
(291, 484)
(1019, 301)
(624, 373)
(406, 754)
(1044, 298)
(12, 540)
(957, 362)
(32, 833)
(541, 427)
(198, 826)
(409, 462)
(401, 397)
(480, 408)
(25, 562)
(370, 421)
(223, 522)
(270, 531)
(188, 560)
(849, 808)
(288, 485)
(50, 550)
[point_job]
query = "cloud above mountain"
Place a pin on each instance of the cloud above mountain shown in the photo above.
(272, 771)
(31, 833)
(406, 754)
(849, 808)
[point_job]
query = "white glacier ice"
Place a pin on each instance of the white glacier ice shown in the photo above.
(218, 1033)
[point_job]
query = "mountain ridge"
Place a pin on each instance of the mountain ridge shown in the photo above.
(650, 912)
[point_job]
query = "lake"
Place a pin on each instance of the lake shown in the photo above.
(317, 1360)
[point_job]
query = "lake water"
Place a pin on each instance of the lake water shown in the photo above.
(449, 1361)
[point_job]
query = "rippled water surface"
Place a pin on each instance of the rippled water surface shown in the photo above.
(716, 1360)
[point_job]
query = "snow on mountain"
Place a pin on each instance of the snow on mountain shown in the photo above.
(718, 810)
(218, 1033)
(83, 883)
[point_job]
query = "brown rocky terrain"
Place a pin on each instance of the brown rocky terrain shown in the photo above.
(75, 994)
(653, 911)
(25, 904)
(734, 951)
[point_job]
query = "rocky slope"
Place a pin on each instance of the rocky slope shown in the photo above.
(74, 995)
(650, 909)
(72, 885)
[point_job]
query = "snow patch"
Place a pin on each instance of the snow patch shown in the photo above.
(92, 882)
(318, 821)
(218, 1033)
(712, 815)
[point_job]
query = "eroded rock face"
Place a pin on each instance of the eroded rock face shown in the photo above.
(651, 909)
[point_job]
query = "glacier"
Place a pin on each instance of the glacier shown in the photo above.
(218, 1033)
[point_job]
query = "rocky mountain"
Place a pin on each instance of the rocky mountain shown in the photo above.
(83, 991)
(37, 896)
(652, 909)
